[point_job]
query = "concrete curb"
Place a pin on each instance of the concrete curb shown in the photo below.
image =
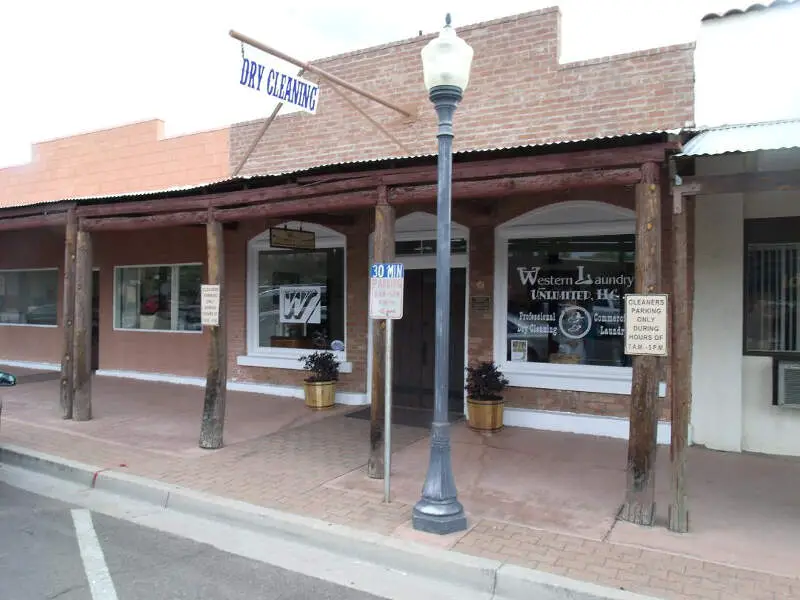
(491, 577)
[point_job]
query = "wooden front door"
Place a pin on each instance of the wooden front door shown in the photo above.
(415, 337)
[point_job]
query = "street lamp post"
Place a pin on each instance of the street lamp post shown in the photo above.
(446, 62)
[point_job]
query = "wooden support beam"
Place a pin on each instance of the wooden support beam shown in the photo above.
(321, 205)
(35, 210)
(67, 390)
(177, 219)
(681, 372)
(312, 187)
(764, 181)
(33, 222)
(382, 251)
(211, 430)
(82, 404)
(500, 188)
(639, 506)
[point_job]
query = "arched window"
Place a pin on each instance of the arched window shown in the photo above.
(296, 299)
(560, 276)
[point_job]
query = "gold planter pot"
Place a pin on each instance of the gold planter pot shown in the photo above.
(485, 415)
(320, 395)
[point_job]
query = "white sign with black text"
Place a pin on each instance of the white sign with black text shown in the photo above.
(646, 324)
(209, 305)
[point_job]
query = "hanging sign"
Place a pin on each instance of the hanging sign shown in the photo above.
(289, 89)
(294, 239)
(386, 291)
(209, 305)
(646, 331)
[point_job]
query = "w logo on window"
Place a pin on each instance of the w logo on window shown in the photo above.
(300, 304)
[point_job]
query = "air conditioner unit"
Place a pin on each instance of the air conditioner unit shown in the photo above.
(786, 383)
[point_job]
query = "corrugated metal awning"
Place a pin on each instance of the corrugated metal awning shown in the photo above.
(745, 7)
(744, 138)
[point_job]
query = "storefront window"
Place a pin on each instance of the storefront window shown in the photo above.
(301, 299)
(158, 298)
(29, 297)
(565, 299)
(772, 298)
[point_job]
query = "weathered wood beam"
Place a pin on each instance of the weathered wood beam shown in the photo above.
(147, 222)
(67, 389)
(681, 372)
(382, 251)
(517, 165)
(765, 181)
(35, 210)
(82, 404)
(499, 188)
(639, 506)
(352, 182)
(338, 202)
(18, 223)
(211, 429)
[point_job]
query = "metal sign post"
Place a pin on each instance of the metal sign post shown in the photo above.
(386, 303)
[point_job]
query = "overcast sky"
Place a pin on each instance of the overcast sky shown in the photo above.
(80, 65)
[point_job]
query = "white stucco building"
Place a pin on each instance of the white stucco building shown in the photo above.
(746, 321)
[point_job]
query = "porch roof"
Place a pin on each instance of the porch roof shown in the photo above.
(751, 137)
(239, 183)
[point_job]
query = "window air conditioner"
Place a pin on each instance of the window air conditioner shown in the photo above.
(786, 383)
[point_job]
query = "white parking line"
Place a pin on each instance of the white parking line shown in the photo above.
(94, 562)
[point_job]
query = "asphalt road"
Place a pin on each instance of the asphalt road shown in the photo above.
(51, 550)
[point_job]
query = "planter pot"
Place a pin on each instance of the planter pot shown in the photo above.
(320, 395)
(485, 415)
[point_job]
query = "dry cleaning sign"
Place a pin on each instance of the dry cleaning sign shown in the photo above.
(281, 86)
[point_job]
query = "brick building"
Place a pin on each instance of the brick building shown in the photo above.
(549, 158)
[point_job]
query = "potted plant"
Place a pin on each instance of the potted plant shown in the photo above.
(485, 384)
(320, 386)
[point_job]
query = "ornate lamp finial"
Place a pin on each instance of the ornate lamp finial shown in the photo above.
(447, 20)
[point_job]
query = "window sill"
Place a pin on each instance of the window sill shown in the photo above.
(282, 362)
(573, 378)
(28, 325)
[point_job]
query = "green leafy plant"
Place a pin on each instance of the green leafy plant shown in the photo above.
(322, 365)
(485, 382)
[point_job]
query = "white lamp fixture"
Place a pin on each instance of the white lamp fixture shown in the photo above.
(446, 60)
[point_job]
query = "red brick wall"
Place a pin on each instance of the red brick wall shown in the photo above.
(37, 249)
(131, 158)
(518, 94)
(175, 353)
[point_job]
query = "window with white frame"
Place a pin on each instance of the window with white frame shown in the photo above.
(561, 272)
(564, 301)
(29, 297)
(296, 297)
(158, 297)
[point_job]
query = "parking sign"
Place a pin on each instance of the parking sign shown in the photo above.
(386, 291)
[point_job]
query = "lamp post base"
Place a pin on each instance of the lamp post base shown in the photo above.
(431, 518)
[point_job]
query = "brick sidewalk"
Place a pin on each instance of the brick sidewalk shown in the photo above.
(296, 468)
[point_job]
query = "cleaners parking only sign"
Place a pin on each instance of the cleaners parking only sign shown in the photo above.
(646, 324)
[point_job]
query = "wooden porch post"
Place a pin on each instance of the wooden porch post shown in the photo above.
(82, 350)
(217, 375)
(67, 390)
(382, 251)
(639, 504)
(681, 357)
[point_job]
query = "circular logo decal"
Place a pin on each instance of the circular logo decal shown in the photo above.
(575, 322)
(337, 346)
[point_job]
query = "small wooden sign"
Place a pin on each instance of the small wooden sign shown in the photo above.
(294, 239)
(480, 304)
